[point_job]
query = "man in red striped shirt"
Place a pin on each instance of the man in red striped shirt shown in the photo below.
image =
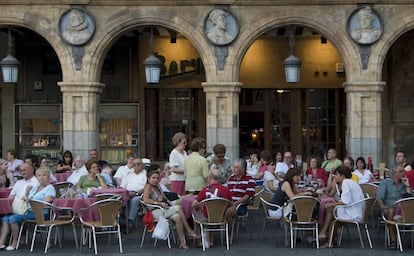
(242, 188)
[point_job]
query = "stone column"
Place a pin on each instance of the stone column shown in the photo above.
(364, 121)
(80, 106)
(222, 114)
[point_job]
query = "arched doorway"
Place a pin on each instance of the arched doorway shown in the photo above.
(31, 108)
(306, 117)
(141, 118)
(397, 99)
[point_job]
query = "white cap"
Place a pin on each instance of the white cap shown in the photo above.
(146, 161)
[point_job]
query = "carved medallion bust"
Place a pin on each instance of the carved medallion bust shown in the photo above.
(76, 26)
(221, 27)
(365, 26)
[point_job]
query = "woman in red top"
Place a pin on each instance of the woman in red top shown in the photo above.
(316, 170)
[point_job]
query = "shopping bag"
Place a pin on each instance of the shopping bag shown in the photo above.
(162, 229)
(148, 220)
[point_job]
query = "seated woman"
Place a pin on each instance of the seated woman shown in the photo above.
(154, 195)
(364, 175)
(287, 190)
(65, 164)
(270, 179)
(316, 171)
(6, 176)
(253, 165)
(93, 179)
(349, 161)
(350, 193)
(43, 191)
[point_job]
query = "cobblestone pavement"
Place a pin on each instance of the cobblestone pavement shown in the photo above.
(247, 242)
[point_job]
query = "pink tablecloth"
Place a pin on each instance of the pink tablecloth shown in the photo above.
(4, 192)
(187, 204)
(322, 207)
(5, 205)
(62, 176)
(77, 204)
(117, 191)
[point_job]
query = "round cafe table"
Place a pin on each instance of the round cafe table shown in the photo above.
(5, 206)
(78, 203)
(186, 203)
(4, 192)
(61, 177)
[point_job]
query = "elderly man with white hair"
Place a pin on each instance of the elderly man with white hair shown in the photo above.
(78, 171)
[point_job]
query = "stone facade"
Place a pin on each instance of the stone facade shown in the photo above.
(81, 87)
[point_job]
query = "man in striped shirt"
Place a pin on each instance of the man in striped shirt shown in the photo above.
(242, 188)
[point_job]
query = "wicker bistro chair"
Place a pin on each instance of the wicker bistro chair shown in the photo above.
(216, 219)
(255, 200)
(238, 219)
(304, 207)
(337, 221)
(405, 224)
(266, 205)
(267, 195)
(147, 207)
(108, 223)
(370, 190)
(46, 226)
(105, 196)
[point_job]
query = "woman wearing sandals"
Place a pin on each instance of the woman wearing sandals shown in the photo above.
(154, 195)
(350, 193)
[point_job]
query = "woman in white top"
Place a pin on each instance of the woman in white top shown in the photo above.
(351, 193)
(176, 160)
(270, 179)
(363, 174)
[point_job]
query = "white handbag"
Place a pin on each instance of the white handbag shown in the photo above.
(19, 206)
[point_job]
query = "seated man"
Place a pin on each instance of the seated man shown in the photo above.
(123, 171)
(93, 155)
(79, 171)
(283, 167)
(389, 191)
(134, 182)
(242, 188)
(11, 222)
(214, 189)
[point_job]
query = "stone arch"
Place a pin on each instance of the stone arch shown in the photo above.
(42, 26)
(398, 29)
(117, 26)
(344, 47)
